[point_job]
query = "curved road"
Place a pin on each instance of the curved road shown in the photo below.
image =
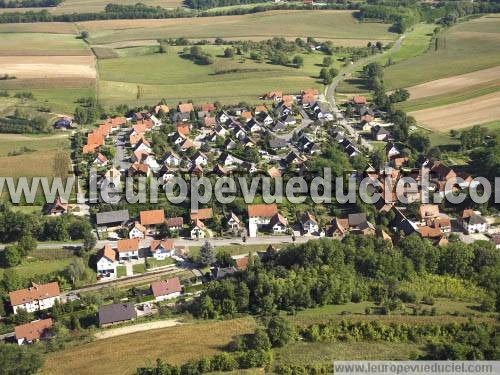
(347, 71)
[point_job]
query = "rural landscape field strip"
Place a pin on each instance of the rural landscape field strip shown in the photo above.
(325, 24)
(461, 115)
(463, 49)
(455, 83)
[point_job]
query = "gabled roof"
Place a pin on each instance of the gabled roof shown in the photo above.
(175, 222)
(152, 217)
(262, 210)
(278, 219)
(242, 263)
(202, 214)
(34, 330)
(186, 107)
(166, 287)
(117, 312)
(34, 293)
(107, 252)
(127, 245)
(274, 172)
(164, 244)
(119, 216)
(307, 216)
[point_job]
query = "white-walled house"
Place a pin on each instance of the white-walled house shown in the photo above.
(33, 331)
(278, 224)
(197, 229)
(473, 222)
(137, 231)
(35, 298)
(166, 289)
(161, 249)
(128, 249)
(106, 264)
(309, 223)
(260, 215)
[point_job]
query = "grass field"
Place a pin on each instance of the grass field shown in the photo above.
(290, 24)
(175, 78)
(302, 353)
(36, 163)
(175, 345)
(467, 47)
(39, 267)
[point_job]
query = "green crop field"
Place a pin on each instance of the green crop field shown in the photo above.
(175, 78)
(466, 47)
(291, 24)
(36, 43)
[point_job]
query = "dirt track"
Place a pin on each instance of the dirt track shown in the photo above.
(48, 66)
(453, 84)
(113, 332)
(461, 115)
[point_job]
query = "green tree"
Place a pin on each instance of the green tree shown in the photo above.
(419, 141)
(20, 360)
(327, 61)
(12, 280)
(298, 61)
(229, 52)
(279, 331)
(11, 256)
(207, 254)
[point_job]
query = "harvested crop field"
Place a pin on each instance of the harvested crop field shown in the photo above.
(175, 345)
(456, 83)
(48, 66)
(319, 24)
(461, 115)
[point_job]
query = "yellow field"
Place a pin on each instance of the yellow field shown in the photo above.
(122, 355)
(460, 115)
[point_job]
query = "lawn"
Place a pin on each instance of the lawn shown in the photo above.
(32, 267)
(237, 249)
(121, 271)
(139, 268)
(175, 345)
(466, 47)
(175, 78)
(327, 24)
(153, 263)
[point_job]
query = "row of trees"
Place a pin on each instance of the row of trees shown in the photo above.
(141, 11)
(29, 3)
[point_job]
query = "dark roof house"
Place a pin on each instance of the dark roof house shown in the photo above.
(116, 313)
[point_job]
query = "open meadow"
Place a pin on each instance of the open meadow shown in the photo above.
(327, 24)
(174, 77)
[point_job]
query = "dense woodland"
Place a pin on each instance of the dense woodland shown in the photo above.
(357, 269)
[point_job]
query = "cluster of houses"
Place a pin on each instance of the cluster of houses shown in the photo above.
(41, 297)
